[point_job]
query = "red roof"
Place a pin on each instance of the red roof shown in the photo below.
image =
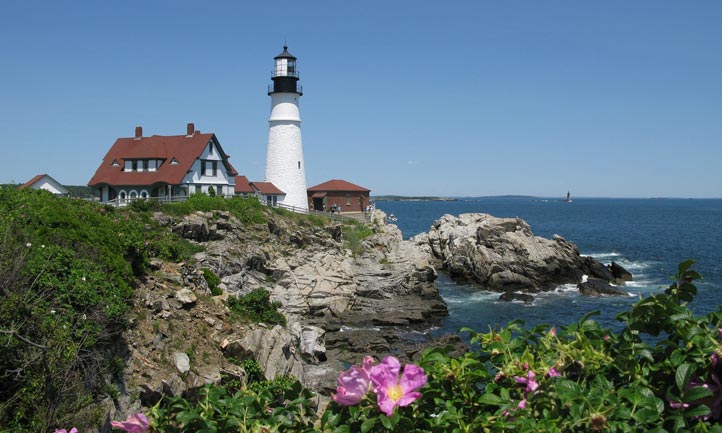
(267, 188)
(32, 181)
(181, 148)
(337, 185)
(243, 186)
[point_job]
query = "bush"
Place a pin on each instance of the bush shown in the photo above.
(247, 209)
(353, 235)
(66, 273)
(213, 281)
(256, 307)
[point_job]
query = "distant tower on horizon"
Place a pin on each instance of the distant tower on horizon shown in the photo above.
(284, 153)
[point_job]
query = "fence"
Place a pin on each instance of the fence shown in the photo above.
(338, 217)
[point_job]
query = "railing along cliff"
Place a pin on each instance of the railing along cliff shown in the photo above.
(341, 218)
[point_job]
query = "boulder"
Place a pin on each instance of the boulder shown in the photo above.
(182, 362)
(185, 297)
(194, 227)
(595, 269)
(596, 287)
(516, 296)
(619, 272)
(503, 254)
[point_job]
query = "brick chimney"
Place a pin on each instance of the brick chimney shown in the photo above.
(191, 129)
(138, 132)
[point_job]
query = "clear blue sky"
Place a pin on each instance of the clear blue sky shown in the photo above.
(457, 98)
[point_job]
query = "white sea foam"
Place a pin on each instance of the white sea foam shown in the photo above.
(465, 298)
(351, 328)
(602, 257)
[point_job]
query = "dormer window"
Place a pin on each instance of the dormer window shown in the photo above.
(174, 161)
(115, 163)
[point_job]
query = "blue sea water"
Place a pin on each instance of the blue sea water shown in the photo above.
(649, 237)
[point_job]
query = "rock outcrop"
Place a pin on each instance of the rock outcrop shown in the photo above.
(502, 254)
(596, 288)
(340, 305)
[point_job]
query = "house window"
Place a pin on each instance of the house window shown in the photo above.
(209, 168)
(145, 165)
(210, 148)
(348, 200)
(134, 164)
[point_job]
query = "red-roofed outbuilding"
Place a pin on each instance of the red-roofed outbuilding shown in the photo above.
(163, 167)
(338, 194)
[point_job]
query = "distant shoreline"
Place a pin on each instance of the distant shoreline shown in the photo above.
(526, 197)
(404, 198)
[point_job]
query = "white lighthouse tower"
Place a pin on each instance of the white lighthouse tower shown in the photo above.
(284, 154)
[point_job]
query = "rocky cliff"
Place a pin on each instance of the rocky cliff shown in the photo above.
(340, 305)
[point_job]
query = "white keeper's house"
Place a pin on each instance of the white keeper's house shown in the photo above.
(164, 167)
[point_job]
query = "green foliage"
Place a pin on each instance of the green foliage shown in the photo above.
(66, 272)
(655, 375)
(256, 307)
(145, 205)
(582, 378)
(213, 281)
(247, 209)
(353, 235)
(248, 411)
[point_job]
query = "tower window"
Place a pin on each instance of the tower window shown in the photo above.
(299, 165)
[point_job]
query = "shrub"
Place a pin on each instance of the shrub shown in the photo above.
(247, 209)
(66, 273)
(353, 235)
(213, 281)
(257, 307)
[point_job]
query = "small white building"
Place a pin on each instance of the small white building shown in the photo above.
(46, 182)
(164, 167)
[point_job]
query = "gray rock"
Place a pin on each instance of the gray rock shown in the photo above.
(185, 297)
(502, 253)
(595, 269)
(182, 362)
(595, 287)
(194, 227)
(516, 296)
(619, 272)
(156, 264)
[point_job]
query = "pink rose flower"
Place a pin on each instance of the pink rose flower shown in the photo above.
(531, 384)
(393, 391)
(62, 430)
(137, 423)
(553, 372)
(353, 385)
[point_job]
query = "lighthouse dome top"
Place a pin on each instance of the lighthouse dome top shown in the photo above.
(285, 54)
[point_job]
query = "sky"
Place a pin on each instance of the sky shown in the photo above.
(459, 98)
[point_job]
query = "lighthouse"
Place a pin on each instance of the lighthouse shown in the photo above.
(284, 153)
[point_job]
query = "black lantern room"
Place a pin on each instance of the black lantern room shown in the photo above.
(285, 74)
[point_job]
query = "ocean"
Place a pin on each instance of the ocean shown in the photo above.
(649, 237)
